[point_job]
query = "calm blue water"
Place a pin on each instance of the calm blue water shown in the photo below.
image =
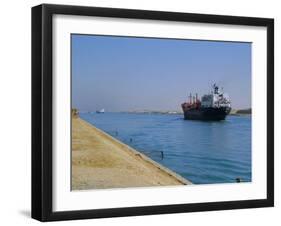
(202, 152)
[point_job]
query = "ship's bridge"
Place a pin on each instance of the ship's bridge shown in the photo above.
(216, 99)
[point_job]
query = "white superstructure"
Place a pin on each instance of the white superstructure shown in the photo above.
(216, 99)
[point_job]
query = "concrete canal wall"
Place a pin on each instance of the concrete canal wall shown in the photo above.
(101, 161)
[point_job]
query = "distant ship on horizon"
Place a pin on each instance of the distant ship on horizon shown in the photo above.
(212, 107)
(100, 111)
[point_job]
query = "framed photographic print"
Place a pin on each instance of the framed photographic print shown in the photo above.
(145, 112)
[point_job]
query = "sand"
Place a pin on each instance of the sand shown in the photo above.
(101, 161)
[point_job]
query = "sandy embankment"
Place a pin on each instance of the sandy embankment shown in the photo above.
(101, 161)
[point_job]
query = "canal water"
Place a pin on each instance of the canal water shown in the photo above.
(202, 152)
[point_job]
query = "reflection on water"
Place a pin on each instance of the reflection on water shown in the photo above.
(202, 152)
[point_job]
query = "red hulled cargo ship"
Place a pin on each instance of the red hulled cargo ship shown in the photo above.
(212, 107)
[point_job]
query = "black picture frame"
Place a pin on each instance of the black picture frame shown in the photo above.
(42, 111)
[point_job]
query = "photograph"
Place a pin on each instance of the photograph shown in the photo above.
(149, 111)
(140, 112)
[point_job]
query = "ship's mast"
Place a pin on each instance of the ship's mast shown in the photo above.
(216, 89)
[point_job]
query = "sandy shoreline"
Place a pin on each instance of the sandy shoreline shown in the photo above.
(101, 161)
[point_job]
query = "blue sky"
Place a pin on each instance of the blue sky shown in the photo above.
(123, 73)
